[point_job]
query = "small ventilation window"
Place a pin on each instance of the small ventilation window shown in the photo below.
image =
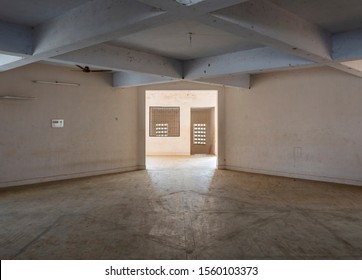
(162, 129)
(164, 121)
(199, 130)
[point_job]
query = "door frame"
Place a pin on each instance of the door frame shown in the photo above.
(187, 86)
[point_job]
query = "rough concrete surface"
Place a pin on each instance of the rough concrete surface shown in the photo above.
(181, 208)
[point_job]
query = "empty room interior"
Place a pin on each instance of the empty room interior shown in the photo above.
(181, 129)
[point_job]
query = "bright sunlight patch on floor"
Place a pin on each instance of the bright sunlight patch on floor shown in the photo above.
(181, 162)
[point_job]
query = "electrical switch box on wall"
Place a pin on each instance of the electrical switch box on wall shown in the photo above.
(57, 123)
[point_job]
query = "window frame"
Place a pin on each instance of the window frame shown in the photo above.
(173, 125)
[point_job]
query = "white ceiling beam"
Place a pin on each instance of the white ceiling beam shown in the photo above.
(232, 80)
(192, 10)
(346, 68)
(123, 59)
(209, 6)
(165, 5)
(266, 23)
(262, 22)
(250, 61)
(15, 39)
(95, 22)
(132, 79)
(259, 20)
(347, 47)
(22, 62)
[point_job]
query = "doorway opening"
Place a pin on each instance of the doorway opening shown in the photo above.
(181, 129)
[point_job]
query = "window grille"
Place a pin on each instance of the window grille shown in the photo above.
(199, 134)
(164, 121)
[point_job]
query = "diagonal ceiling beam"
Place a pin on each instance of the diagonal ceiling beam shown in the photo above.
(95, 22)
(346, 68)
(169, 6)
(16, 39)
(262, 22)
(191, 10)
(347, 48)
(250, 61)
(259, 20)
(132, 79)
(209, 6)
(273, 26)
(232, 80)
(123, 59)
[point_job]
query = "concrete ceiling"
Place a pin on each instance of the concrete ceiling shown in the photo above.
(34, 12)
(333, 15)
(211, 41)
(186, 39)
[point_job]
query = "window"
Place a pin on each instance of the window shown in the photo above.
(162, 129)
(164, 121)
(199, 134)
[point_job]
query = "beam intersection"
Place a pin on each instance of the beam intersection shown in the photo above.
(279, 31)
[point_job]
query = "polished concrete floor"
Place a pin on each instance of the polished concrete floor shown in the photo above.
(181, 208)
